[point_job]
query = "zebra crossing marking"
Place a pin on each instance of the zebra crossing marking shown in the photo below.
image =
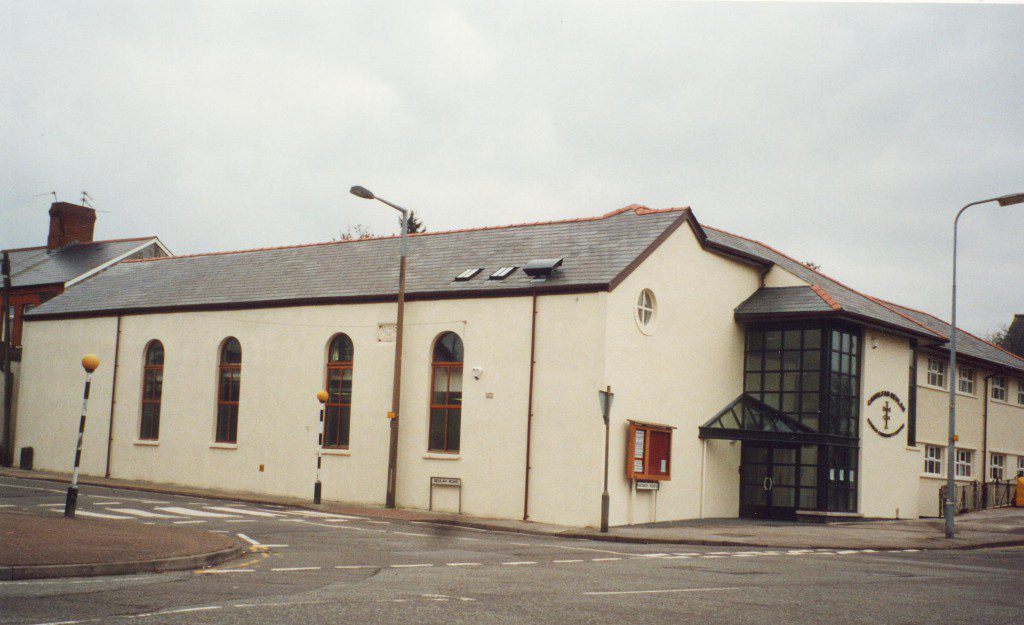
(190, 512)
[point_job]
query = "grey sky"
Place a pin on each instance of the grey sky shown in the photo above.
(843, 134)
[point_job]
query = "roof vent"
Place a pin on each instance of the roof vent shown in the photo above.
(468, 274)
(541, 269)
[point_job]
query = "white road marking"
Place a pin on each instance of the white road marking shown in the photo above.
(48, 505)
(603, 559)
(191, 512)
(182, 610)
(411, 534)
(468, 538)
(520, 563)
(651, 555)
(144, 513)
(323, 515)
(251, 541)
(565, 561)
(462, 564)
(654, 592)
(243, 511)
(298, 568)
(45, 490)
(356, 566)
(100, 515)
(105, 503)
(225, 571)
(7, 505)
(408, 566)
(187, 522)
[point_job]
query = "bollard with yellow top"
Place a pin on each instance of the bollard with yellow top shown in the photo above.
(90, 363)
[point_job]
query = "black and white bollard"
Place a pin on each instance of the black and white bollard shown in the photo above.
(89, 363)
(321, 396)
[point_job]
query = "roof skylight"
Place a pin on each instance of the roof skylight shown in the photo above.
(502, 273)
(468, 274)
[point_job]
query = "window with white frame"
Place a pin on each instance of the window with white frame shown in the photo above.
(1020, 466)
(933, 459)
(1020, 391)
(936, 373)
(964, 462)
(966, 384)
(999, 388)
(996, 466)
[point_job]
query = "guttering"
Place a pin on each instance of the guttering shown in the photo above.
(529, 406)
(113, 396)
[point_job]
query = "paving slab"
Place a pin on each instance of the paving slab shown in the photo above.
(998, 527)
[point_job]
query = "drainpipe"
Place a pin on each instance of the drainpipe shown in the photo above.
(529, 407)
(7, 458)
(113, 395)
(984, 443)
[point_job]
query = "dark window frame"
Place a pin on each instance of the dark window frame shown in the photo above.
(152, 392)
(226, 430)
(336, 408)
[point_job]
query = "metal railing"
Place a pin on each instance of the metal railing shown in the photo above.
(980, 495)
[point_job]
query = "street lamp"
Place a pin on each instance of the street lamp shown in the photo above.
(396, 392)
(321, 396)
(1005, 200)
(605, 396)
(90, 363)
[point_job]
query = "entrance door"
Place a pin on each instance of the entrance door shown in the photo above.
(768, 474)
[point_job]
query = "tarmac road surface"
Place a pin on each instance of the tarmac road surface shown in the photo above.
(315, 567)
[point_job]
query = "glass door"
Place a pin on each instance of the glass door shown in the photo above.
(768, 480)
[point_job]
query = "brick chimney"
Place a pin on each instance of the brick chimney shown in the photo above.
(70, 223)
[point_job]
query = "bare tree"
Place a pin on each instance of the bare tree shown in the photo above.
(813, 265)
(999, 335)
(354, 233)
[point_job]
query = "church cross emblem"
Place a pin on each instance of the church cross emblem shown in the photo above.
(891, 402)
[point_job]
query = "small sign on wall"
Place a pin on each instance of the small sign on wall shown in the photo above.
(386, 332)
(645, 485)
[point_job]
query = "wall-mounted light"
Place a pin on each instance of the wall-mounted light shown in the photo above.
(874, 342)
(477, 372)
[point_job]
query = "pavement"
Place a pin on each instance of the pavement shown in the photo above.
(307, 565)
(989, 528)
(36, 546)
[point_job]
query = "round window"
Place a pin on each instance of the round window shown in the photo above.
(646, 311)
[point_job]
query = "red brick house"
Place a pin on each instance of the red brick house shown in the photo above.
(69, 256)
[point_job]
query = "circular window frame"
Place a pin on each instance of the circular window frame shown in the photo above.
(646, 328)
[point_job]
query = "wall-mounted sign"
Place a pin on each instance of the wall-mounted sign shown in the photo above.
(885, 413)
(648, 451)
(645, 485)
(445, 481)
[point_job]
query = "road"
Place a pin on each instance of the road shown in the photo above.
(311, 567)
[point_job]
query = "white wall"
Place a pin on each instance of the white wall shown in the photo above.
(681, 374)
(50, 392)
(888, 485)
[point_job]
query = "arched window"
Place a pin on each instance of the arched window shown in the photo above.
(229, 381)
(152, 391)
(446, 394)
(339, 392)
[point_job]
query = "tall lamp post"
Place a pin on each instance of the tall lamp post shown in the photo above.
(606, 396)
(90, 363)
(396, 392)
(954, 379)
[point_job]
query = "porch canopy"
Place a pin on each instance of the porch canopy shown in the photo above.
(749, 419)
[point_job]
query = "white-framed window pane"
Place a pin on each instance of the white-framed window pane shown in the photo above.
(1020, 466)
(964, 460)
(966, 380)
(1020, 392)
(997, 464)
(936, 373)
(933, 459)
(999, 388)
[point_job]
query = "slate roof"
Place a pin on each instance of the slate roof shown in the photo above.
(850, 301)
(966, 343)
(775, 301)
(594, 251)
(825, 295)
(36, 266)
